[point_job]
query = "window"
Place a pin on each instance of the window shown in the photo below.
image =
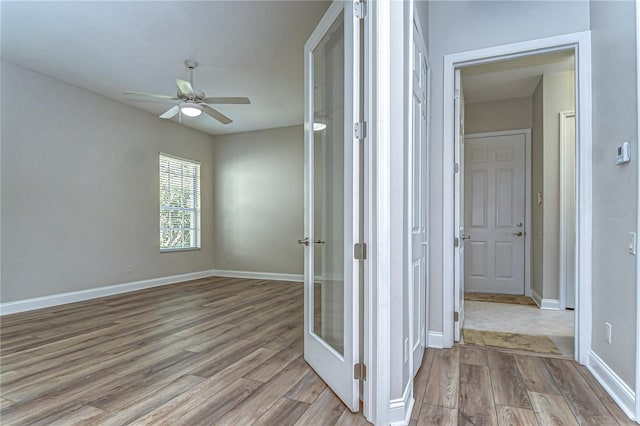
(179, 204)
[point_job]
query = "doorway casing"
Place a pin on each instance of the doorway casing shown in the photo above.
(580, 43)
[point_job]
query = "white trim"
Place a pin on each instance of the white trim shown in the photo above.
(527, 195)
(546, 304)
(270, 276)
(435, 339)
(580, 43)
(536, 297)
(638, 210)
(563, 208)
(401, 408)
(377, 354)
(621, 393)
(94, 293)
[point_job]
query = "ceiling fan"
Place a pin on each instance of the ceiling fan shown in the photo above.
(194, 102)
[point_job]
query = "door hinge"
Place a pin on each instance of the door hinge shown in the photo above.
(359, 9)
(456, 168)
(360, 251)
(456, 242)
(360, 371)
(456, 316)
(360, 130)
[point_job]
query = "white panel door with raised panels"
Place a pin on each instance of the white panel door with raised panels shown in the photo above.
(418, 160)
(495, 214)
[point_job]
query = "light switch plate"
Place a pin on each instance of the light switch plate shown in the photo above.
(632, 248)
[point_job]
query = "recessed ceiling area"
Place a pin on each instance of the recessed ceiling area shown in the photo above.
(251, 49)
(515, 78)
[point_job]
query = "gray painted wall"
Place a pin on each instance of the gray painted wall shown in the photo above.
(558, 96)
(615, 188)
(479, 24)
(257, 209)
(80, 189)
(493, 116)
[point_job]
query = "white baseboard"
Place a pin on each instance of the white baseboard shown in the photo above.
(94, 293)
(257, 275)
(435, 339)
(621, 393)
(548, 304)
(400, 409)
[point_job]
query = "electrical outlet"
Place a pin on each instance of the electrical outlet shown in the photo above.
(129, 269)
(607, 332)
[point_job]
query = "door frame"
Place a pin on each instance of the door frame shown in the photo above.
(580, 43)
(638, 216)
(564, 214)
(527, 194)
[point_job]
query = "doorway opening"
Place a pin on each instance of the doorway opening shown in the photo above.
(510, 264)
(518, 207)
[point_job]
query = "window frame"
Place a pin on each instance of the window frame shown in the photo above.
(196, 183)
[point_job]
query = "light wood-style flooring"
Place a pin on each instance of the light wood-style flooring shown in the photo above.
(229, 351)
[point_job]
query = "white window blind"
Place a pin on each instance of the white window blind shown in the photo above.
(179, 203)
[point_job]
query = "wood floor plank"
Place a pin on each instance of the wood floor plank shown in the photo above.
(284, 412)
(420, 383)
(442, 385)
(198, 395)
(471, 355)
(307, 389)
(433, 415)
(584, 403)
(508, 387)
(514, 416)
(535, 375)
(268, 394)
(228, 351)
(349, 418)
(551, 410)
(326, 410)
(603, 396)
(476, 404)
(275, 364)
(211, 410)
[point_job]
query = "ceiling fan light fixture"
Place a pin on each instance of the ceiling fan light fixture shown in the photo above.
(190, 109)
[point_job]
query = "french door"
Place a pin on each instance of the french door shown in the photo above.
(332, 201)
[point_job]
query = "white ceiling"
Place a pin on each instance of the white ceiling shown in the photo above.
(514, 78)
(252, 49)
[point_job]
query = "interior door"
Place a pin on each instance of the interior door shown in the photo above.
(458, 183)
(418, 161)
(332, 201)
(495, 213)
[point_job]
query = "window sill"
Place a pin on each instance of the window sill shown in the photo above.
(173, 250)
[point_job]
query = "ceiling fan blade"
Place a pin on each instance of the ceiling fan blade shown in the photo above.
(151, 94)
(171, 112)
(216, 114)
(227, 100)
(184, 86)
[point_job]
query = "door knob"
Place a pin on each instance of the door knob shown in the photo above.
(518, 234)
(304, 242)
(466, 237)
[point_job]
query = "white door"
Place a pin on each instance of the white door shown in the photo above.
(331, 201)
(458, 184)
(418, 161)
(495, 214)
